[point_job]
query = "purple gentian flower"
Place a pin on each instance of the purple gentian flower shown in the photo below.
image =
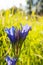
(24, 31)
(11, 34)
(15, 35)
(11, 61)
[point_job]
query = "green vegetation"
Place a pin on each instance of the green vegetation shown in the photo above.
(32, 48)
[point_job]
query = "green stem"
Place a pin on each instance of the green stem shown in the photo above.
(15, 49)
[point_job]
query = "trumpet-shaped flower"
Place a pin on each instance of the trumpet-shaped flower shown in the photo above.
(11, 34)
(24, 31)
(15, 35)
(11, 61)
(26, 28)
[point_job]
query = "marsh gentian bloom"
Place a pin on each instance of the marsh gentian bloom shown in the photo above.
(24, 31)
(15, 35)
(11, 61)
(11, 34)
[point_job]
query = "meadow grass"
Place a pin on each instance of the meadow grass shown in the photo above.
(32, 47)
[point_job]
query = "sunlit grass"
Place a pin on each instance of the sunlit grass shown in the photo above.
(32, 48)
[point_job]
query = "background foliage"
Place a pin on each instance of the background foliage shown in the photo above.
(32, 48)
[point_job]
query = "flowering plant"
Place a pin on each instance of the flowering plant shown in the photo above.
(15, 36)
(11, 61)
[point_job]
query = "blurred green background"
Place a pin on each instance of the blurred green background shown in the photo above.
(32, 47)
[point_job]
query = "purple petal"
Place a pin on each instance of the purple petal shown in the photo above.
(11, 61)
(24, 31)
(8, 59)
(12, 30)
(25, 28)
(11, 33)
(7, 31)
